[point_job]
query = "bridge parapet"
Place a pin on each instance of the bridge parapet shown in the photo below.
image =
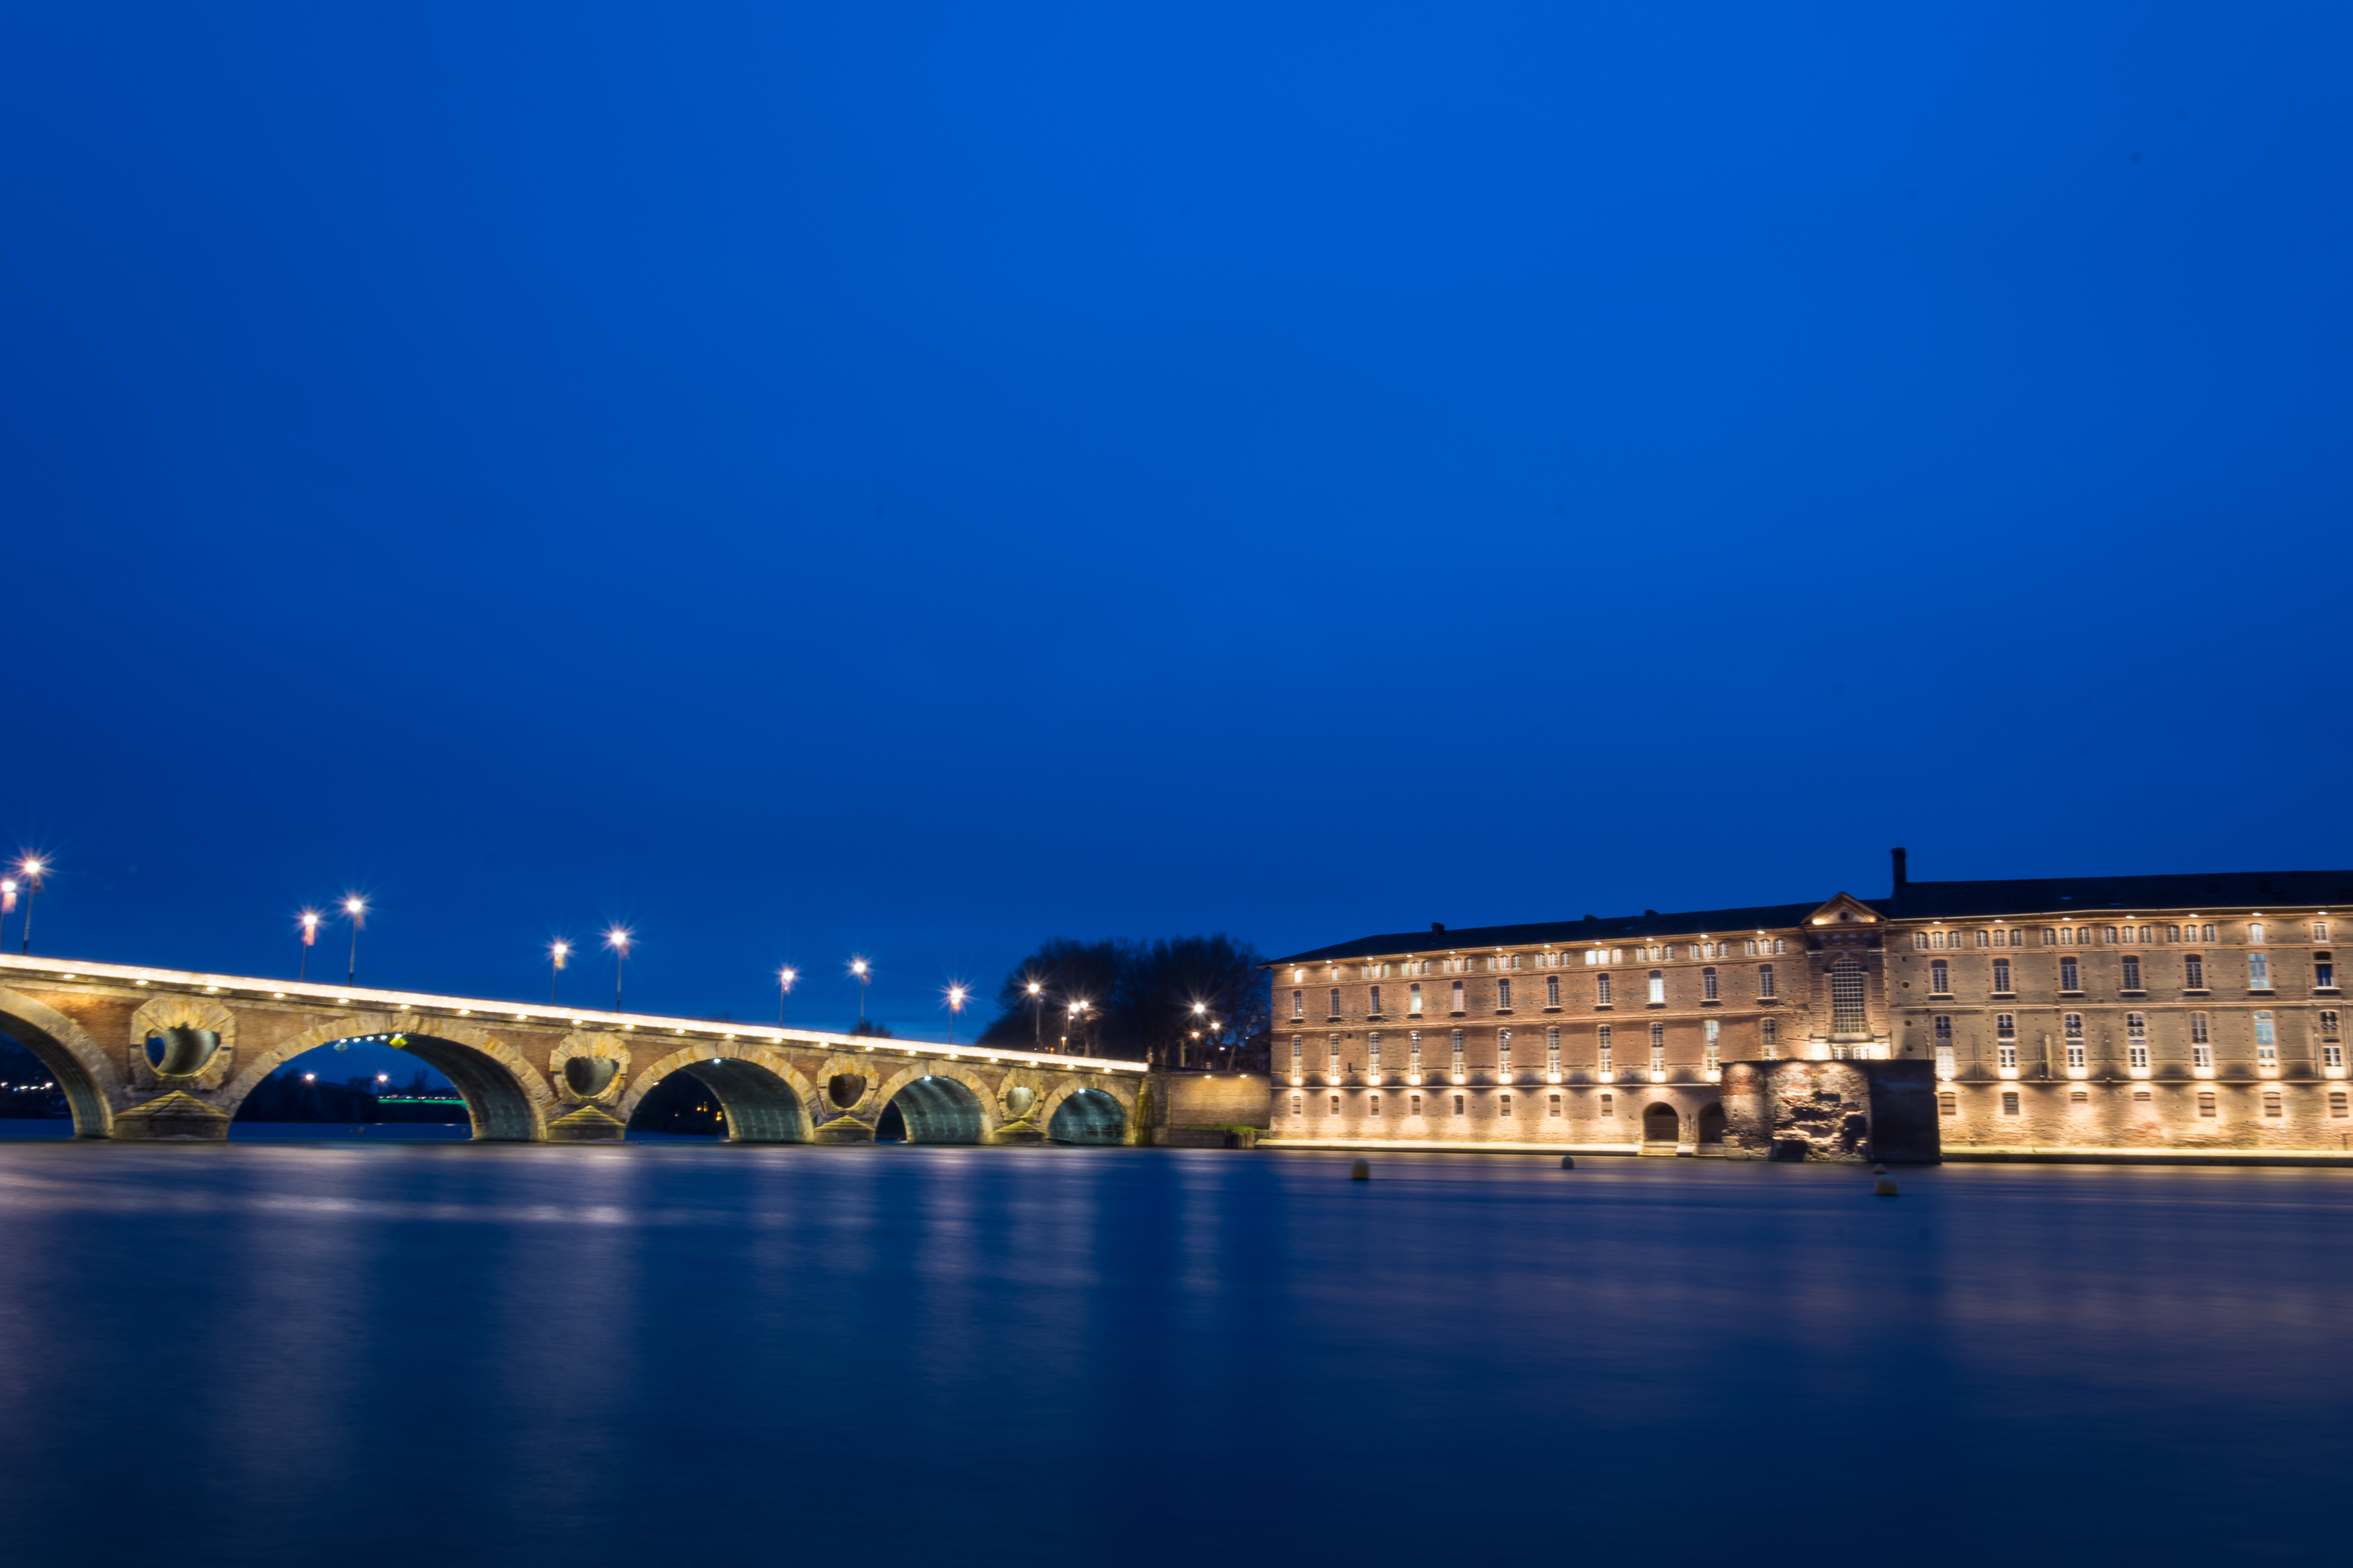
(530, 1073)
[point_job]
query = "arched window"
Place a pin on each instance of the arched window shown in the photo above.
(1552, 989)
(2255, 932)
(1764, 980)
(1707, 984)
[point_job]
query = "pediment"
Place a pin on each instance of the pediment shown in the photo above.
(1845, 910)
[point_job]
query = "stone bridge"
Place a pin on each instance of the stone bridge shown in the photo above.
(165, 1054)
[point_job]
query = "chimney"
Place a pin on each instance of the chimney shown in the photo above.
(1435, 925)
(1897, 856)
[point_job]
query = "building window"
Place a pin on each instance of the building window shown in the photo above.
(2132, 972)
(1457, 1053)
(1504, 1052)
(2206, 1104)
(2332, 1057)
(1373, 1052)
(1373, 1004)
(2109, 935)
(2320, 931)
(2266, 1037)
(2201, 1049)
(2254, 933)
(1846, 997)
(1552, 1052)
(2071, 976)
(2050, 937)
(1335, 1054)
(1336, 1105)
(1458, 996)
(1503, 1105)
(2272, 1106)
(1601, 991)
(1657, 1047)
(1605, 1050)
(2324, 971)
(1299, 1004)
(1553, 1108)
(1944, 1064)
(1709, 1052)
(2010, 1102)
(1940, 978)
(1948, 1105)
(2079, 1096)
(2001, 985)
(2329, 1028)
(1658, 987)
(1768, 1038)
(1413, 1053)
(2258, 972)
(2073, 1022)
(1298, 1105)
(2338, 1105)
(2193, 972)
(2136, 1040)
(1413, 1105)
(1609, 1105)
(1372, 1105)
(1503, 996)
(1413, 999)
(1336, 1002)
(1458, 1105)
(1552, 989)
(1298, 1065)
(1941, 1025)
(1781, 945)
(1765, 980)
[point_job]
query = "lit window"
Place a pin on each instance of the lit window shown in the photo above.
(2320, 931)
(2328, 1016)
(1658, 987)
(1504, 1052)
(1985, 940)
(2070, 977)
(1780, 944)
(2001, 976)
(1458, 1050)
(1657, 1047)
(2074, 1024)
(2201, 1049)
(1604, 1043)
(2258, 972)
(1373, 1052)
(1413, 998)
(2266, 1038)
(1945, 1066)
(2193, 972)
(1299, 1004)
(1503, 996)
(1940, 978)
(1768, 1033)
(1941, 1026)
(1601, 991)
(2324, 971)
(1373, 1005)
(1765, 980)
(2132, 972)
(1296, 1064)
(1336, 1002)
(2109, 935)
(2254, 933)
(1707, 984)
(1335, 1056)
(1552, 1051)
(1708, 1057)
(2332, 1057)
(1552, 989)
(1458, 996)
(1413, 1053)
(2136, 1040)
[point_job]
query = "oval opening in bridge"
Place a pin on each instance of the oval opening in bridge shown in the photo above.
(588, 1077)
(177, 1053)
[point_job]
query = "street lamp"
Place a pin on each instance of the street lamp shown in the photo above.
(864, 971)
(1036, 1015)
(784, 978)
(617, 937)
(7, 905)
(32, 867)
(356, 908)
(956, 993)
(310, 940)
(1200, 1010)
(1078, 1012)
(558, 951)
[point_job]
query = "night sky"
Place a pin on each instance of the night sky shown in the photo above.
(915, 480)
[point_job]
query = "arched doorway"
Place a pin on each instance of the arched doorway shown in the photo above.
(1088, 1117)
(1662, 1128)
(1711, 1128)
(938, 1110)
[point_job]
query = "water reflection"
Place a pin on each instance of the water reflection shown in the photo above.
(260, 1354)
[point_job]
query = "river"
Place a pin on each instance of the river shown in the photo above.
(321, 1350)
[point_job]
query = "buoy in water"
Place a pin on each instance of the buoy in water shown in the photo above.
(1879, 1170)
(1884, 1188)
(1569, 1161)
(1361, 1171)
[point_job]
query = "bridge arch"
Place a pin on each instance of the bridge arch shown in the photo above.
(762, 1096)
(941, 1103)
(506, 1098)
(81, 1069)
(1086, 1115)
(1051, 1104)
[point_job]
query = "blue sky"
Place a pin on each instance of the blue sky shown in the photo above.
(912, 479)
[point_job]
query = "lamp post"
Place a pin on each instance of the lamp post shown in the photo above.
(956, 993)
(1078, 1012)
(310, 941)
(864, 971)
(7, 907)
(558, 951)
(784, 978)
(1201, 1012)
(356, 908)
(1036, 1015)
(32, 867)
(617, 938)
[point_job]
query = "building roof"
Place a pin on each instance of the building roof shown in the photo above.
(2068, 895)
(1562, 934)
(1910, 901)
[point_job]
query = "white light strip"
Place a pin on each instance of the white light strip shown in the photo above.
(361, 997)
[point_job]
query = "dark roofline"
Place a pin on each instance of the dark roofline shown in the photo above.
(1558, 933)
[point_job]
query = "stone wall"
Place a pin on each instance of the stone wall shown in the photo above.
(1199, 1109)
(1850, 1112)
